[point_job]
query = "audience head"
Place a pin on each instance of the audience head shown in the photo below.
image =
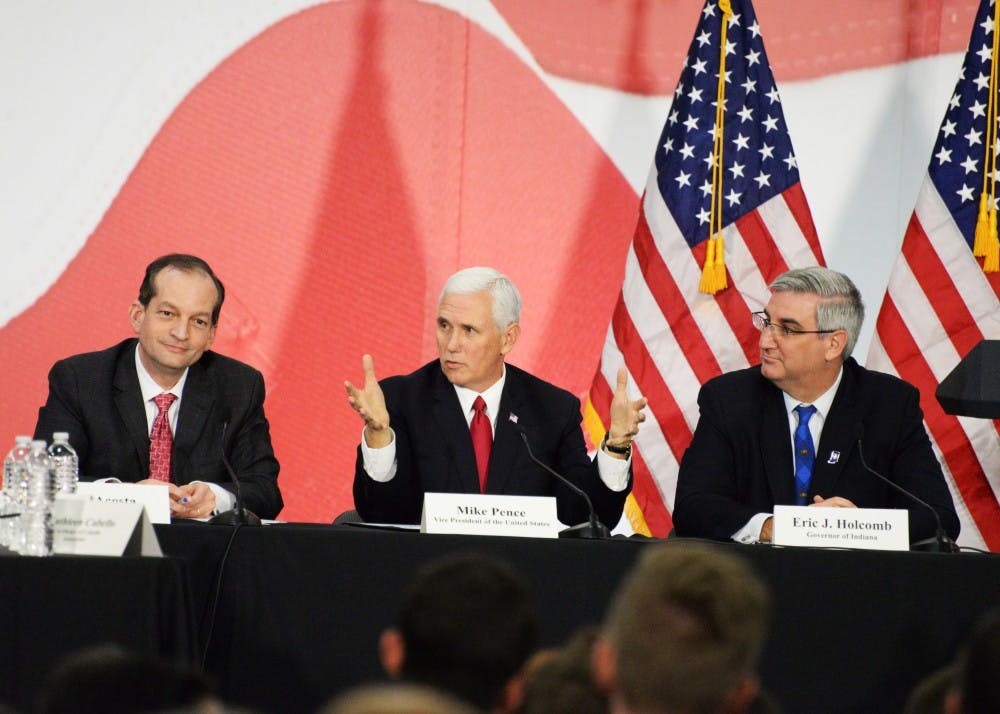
(110, 680)
(466, 626)
(561, 681)
(931, 693)
(397, 699)
(977, 676)
(683, 633)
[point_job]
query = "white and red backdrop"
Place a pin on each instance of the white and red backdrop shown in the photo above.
(336, 161)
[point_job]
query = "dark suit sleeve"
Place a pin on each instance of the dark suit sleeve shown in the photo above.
(62, 411)
(709, 502)
(248, 447)
(398, 500)
(909, 461)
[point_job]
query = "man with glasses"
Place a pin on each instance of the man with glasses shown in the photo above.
(787, 431)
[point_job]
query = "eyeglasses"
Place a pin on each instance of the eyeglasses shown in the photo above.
(762, 322)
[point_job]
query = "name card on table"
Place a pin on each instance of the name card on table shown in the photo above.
(488, 514)
(870, 528)
(81, 526)
(155, 498)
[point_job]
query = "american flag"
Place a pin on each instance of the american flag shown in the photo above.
(940, 304)
(671, 337)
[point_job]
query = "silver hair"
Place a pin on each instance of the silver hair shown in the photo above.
(506, 298)
(840, 307)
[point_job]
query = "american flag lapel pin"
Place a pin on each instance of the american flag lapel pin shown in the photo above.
(513, 418)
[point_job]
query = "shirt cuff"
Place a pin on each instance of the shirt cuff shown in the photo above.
(380, 464)
(750, 533)
(614, 472)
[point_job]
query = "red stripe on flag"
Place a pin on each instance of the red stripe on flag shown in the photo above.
(647, 376)
(945, 429)
(669, 298)
(795, 199)
(934, 279)
(601, 396)
(760, 243)
(649, 499)
(734, 310)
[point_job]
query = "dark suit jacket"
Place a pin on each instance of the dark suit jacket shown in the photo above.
(96, 398)
(739, 462)
(434, 449)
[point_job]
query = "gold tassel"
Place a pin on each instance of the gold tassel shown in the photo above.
(713, 272)
(982, 227)
(720, 265)
(707, 284)
(991, 264)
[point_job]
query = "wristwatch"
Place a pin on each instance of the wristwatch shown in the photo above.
(625, 451)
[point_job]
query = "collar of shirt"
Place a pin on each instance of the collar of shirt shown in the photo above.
(823, 404)
(491, 396)
(150, 389)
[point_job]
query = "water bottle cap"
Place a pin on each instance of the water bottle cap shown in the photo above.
(60, 436)
(35, 443)
(22, 439)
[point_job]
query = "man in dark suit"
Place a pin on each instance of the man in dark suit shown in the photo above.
(166, 389)
(421, 429)
(807, 393)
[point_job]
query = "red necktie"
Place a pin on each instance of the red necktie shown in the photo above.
(161, 441)
(482, 440)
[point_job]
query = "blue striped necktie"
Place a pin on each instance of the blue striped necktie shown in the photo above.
(805, 454)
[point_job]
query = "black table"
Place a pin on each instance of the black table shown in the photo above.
(300, 608)
(50, 607)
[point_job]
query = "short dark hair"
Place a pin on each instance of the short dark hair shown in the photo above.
(687, 626)
(563, 682)
(108, 679)
(978, 667)
(468, 625)
(186, 263)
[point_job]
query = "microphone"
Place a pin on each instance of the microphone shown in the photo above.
(942, 543)
(238, 516)
(593, 528)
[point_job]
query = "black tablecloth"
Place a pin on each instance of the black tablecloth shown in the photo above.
(300, 608)
(50, 607)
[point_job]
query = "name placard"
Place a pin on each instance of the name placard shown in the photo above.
(81, 526)
(155, 498)
(870, 528)
(487, 514)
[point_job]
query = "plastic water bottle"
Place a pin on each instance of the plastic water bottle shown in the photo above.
(14, 473)
(35, 524)
(65, 464)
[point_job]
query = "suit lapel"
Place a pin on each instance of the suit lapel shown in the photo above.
(196, 404)
(453, 431)
(837, 440)
(128, 401)
(776, 446)
(505, 439)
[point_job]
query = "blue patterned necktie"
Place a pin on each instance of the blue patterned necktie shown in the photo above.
(805, 454)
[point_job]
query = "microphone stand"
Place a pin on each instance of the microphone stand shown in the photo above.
(592, 528)
(941, 542)
(238, 516)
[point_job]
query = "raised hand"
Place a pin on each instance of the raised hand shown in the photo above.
(626, 415)
(369, 403)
